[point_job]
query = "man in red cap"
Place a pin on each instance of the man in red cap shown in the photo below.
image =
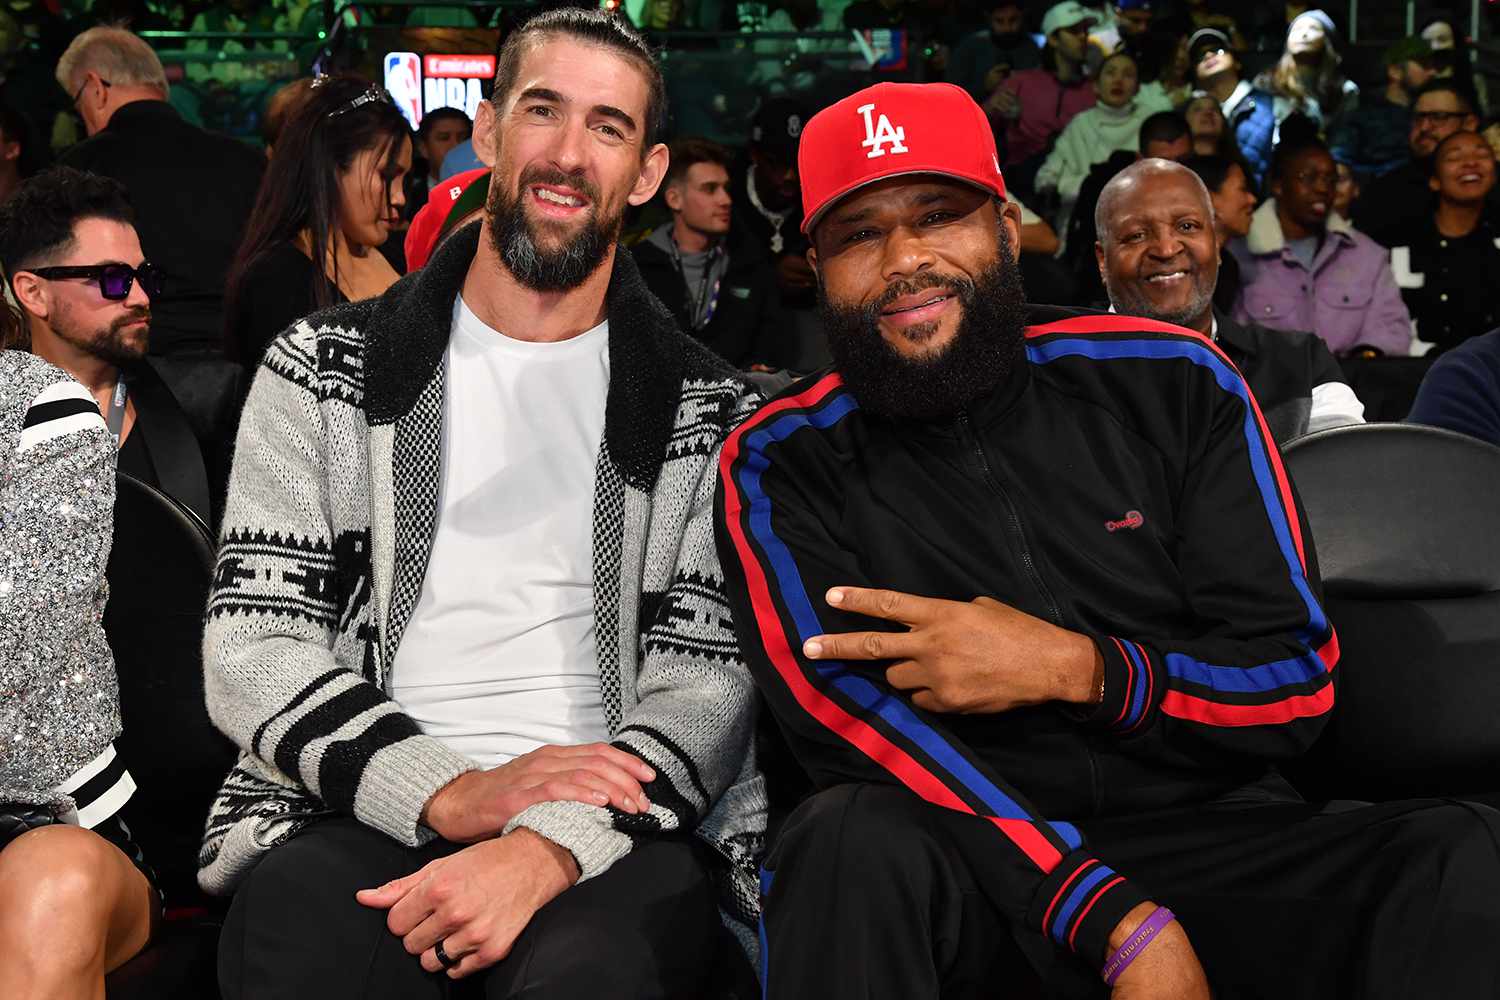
(1005, 562)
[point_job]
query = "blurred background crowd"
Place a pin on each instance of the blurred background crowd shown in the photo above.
(1349, 150)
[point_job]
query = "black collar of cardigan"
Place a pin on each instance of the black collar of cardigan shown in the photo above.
(410, 324)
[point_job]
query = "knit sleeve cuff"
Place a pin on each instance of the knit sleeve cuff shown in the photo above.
(585, 831)
(399, 781)
(1080, 903)
(1131, 688)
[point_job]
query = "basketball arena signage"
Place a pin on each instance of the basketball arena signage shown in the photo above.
(419, 84)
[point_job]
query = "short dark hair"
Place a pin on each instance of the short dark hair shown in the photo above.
(1213, 169)
(1449, 86)
(690, 150)
(1164, 126)
(1432, 163)
(1288, 150)
(37, 223)
(430, 120)
(597, 27)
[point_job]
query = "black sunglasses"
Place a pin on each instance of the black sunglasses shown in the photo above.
(114, 279)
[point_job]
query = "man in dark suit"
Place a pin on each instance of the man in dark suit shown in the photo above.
(1159, 259)
(192, 192)
(86, 290)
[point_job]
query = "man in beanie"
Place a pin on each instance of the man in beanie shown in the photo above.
(1005, 562)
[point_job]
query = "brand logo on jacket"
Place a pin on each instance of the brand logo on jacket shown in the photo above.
(1133, 519)
(879, 134)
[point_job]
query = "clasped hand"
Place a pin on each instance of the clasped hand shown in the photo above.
(476, 902)
(477, 804)
(959, 657)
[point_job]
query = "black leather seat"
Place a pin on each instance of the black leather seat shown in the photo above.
(1404, 521)
(160, 567)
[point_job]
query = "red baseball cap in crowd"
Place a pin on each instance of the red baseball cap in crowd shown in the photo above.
(449, 200)
(891, 130)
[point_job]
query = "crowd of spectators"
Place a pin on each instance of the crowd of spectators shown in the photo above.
(1176, 162)
(1073, 91)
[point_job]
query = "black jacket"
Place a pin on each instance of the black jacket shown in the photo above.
(1281, 367)
(1445, 281)
(170, 457)
(743, 316)
(193, 192)
(275, 291)
(1392, 204)
(1119, 485)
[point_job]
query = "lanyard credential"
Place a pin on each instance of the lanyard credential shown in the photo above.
(706, 300)
(115, 418)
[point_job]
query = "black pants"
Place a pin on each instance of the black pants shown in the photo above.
(875, 893)
(648, 927)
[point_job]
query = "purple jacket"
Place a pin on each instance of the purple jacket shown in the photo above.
(1349, 298)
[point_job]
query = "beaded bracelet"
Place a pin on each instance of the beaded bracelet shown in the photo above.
(1136, 943)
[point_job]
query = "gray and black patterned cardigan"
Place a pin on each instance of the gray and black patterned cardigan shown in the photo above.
(326, 536)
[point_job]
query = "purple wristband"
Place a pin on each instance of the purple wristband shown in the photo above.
(1136, 943)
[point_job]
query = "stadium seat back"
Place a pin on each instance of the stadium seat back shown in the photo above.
(160, 567)
(1403, 519)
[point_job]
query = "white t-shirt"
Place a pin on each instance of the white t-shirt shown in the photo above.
(499, 656)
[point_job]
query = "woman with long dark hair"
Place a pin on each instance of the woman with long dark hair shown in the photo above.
(331, 193)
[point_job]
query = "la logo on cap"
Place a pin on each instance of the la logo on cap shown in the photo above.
(879, 135)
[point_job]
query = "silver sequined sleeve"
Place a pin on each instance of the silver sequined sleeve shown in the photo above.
(59, 700)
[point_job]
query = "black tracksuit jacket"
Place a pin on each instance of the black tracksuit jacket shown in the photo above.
(1123, 485)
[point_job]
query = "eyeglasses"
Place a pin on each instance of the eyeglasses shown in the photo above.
(114, 280)
(1436, 117)
(1209, 50)
(85, 86)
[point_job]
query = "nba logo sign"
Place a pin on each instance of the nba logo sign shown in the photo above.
(403, 80)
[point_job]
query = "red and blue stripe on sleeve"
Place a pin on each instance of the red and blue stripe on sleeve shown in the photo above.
(876, 722)
(1191, 689)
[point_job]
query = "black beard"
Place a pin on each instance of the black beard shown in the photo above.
(984, 351)
(1005, 39)
(108, 345)
(517, 245)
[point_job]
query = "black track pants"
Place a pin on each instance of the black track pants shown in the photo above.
(874, 893)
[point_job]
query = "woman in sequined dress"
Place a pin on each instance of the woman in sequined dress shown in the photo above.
(77, 898)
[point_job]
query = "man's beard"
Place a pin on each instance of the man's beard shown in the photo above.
(1005, 39)
(518, 246)
(1130, 302)
(984, 351)
(109, 345)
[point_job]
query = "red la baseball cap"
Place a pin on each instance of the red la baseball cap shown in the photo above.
(449, 201)
(891, 130)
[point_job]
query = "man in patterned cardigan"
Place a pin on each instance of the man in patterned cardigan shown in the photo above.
(467, 593)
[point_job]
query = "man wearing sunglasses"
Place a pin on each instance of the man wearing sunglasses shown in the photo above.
(1394, 201)
(193, 191)
(70, 252)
